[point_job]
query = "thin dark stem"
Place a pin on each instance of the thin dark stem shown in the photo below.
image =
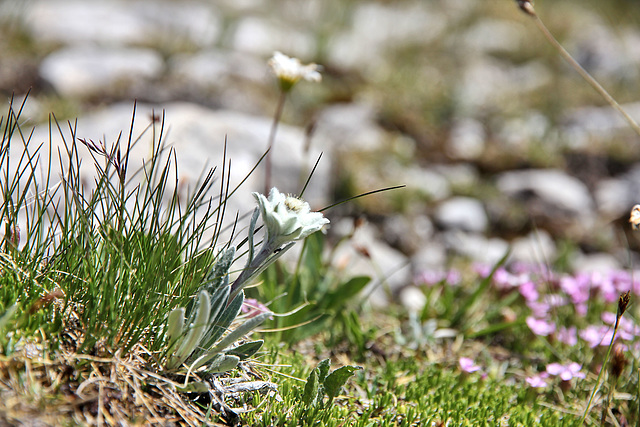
(272, 140)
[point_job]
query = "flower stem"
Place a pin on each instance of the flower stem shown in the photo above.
(583, 73)
(602, 369)
(272, 140)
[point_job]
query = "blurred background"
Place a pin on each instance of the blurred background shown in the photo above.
(499, 142)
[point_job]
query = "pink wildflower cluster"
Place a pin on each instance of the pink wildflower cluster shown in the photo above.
(564, 372)
(433, 277)
(543, 291)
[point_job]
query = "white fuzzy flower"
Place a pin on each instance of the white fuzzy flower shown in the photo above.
(290, 71)
(287, 218)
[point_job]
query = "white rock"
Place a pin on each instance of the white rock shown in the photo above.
(388, 268)
(536, 248)
(552, 186)
(119, 22)
(459, 175)
(350, 127)
(584, 124)
(493, 36)
(599, 262)
(198, 136)
(377, 27)
(613, 197)
(463, 213)
(428, 182)
(467, 139)
(218, 68)
(476, 247)
(407, 233)
(86, 70)
(521, 132)
(432, 255)
(492, 83)
(261, 37)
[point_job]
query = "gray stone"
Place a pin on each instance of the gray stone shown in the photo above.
(217, 68)
(463, 213)
(426, 182)
(350, 127)
(491, 36)
(376, 28)
(613, 197)
(459, 175)
(467, 139)
(552, 186)
(583, 125)
(488, 83)
(406, 232)
(198, 136)
(524, 131)
(432, 255)
(86, 70)
(262, 37)
(120, 22)
(598, 262)
(389, 269)
(536, 248)
(476, 246)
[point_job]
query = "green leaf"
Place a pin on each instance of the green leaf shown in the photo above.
(337, 298)
(7, 315)
(480, 290)
(220, 271)
(241, 330)
(175, 327)
(225, 318)
(323, 369)
(247, 349)
(197, 329)
(334, 382)
(218, 303)
(311, 389)
(223, 363)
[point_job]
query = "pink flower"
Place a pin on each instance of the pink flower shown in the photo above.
(566, 372)
(540, 327)
(528, 291)
(538, 380)
(539, 309)
(251, 307)
(433, 277)
(430, 277)
(467, 365)
(596, 335)
(483, 270)
(567, 336)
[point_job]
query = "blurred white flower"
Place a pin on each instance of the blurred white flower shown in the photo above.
(287, 218)
(290, 71)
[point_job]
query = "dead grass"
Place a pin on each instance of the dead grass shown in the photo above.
(78, 389)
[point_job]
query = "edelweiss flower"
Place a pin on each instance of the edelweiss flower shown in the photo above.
(290, 71)
(287, 218)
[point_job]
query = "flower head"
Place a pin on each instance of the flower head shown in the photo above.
(287, 218)
(566, 372)
(290, 71)
(540, 327)
(538, 381)
(467, 365)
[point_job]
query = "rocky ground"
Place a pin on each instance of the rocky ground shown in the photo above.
(499, 143)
